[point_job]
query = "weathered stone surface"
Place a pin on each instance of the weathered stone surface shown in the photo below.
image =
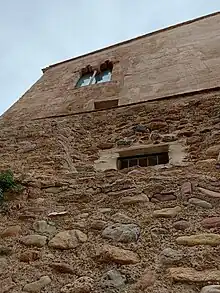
(186, 188)
(209, 193)
(141, 198)
(167, 212)
(67, 239)
(164, 197)
(122, 232)
(44, 227)
(3, 265)
(212, 222)
(122, 218)
(112, 279)
(140, 128)
(34, 240)
(146, 280)
(7, 285)
(109, 253)
(181, 225)
(37, 286)
(105, 145)
(81, 285)
(199, 202)
(170, 256)
(213, 151)
(11, 231)
(62, 268)
(5, 251)
(29, 256)
(191, 275)
(200, 239)
(211, 289)
(98, 224)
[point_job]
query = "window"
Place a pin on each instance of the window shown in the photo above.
(108, 104)
(92, 75)
(143, 160)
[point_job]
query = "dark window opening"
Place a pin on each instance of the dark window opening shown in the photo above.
(143, 160)
(108, 104)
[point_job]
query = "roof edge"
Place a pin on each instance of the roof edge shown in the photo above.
(133, 39)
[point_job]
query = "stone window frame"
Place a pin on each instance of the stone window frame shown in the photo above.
(108, 158)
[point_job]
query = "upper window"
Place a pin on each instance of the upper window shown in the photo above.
(92, 75)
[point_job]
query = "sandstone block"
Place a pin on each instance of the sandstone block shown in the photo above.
(109, 253)
(167, 212)
(37, 286)
(212, 222)
(44, 227)
(122, 232)
(67, 239)
(112, 279)
(11, 231)
(200, 203)
(29, 256)
(211, 289)
(34, 240)
(209, 193)
(181, 225)
(200, 239)
(170, 256)
(141, 198)
(62, 268)
(186, 188)
(191, 275)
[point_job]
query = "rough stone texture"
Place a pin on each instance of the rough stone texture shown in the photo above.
(135, 199)
(11, 231)
(81, 285)
(62, 268)
(211, 289)
(181, 225)
(34, 240)
(146, 280)
(191, 275)
(68, 164)
(170, 256)
(211, 222)
(112, 279)
(28, 256)
(200, 239)
(37, 286)
(167, 212)
(44, 227)
(200, 203)
(67, 239)
(122, 232)
(110, 253)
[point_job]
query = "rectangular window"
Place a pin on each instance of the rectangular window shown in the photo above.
(143, 160)
(92, 75)
(106, 104)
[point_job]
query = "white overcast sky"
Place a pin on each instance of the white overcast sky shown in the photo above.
(37, 33)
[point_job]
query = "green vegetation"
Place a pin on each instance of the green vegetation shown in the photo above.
(7, 183)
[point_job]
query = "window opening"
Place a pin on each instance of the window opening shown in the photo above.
(95, 76)
(143, 160)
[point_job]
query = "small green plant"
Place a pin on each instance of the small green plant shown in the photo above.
(7, 183)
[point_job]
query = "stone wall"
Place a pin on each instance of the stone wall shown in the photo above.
(181, 59)
(77, 229)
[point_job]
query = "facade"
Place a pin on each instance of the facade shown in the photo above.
(119, 153)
